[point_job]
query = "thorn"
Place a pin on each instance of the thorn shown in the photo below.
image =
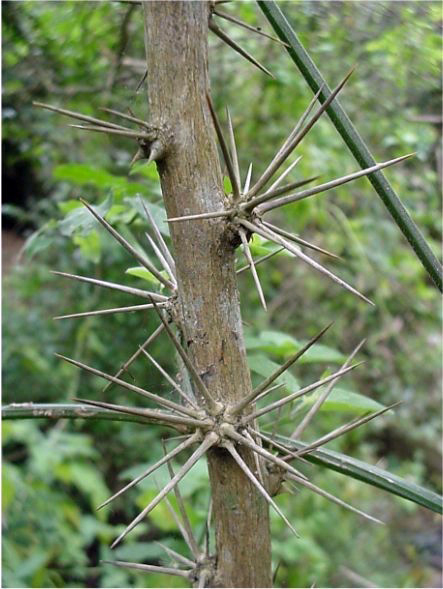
(274, 193)
(131, 309)
(191, 440)
(284, 174)
(123, 132)
(249, 27)
(260, 260)
(252, 267)
(329, 185)
(238, 407)
(234, 153)
(299, 240)
(207, 443)
(150, 568)
(132, 119)
(77, 115)
(224, 37)
(176, 555)
(159, 400)
(161, 242)
(248, 179)
(213, 215)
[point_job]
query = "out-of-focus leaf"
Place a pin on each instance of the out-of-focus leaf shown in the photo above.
(81, 221)
(144, 274)
(157, 211)
(344, 400)
(264, 367)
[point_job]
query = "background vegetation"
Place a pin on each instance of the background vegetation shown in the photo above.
(86, 55)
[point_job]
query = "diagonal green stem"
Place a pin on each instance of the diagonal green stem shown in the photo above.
(352, 139)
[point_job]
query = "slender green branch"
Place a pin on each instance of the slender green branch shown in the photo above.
(64, 411)
(353, 140)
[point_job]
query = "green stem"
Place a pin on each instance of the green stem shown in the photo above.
(353, 140)
(64, 411)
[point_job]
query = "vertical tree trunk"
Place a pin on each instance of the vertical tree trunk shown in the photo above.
(176, 48)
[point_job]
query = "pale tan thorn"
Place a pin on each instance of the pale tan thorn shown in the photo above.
(248, 399)
(162, 259)
(291, 198)
(332, 498)
(243, 466)
(248, 27)
(283, 175)
(300, 393)
(207, 443)
(130, 309)
(146, 294)
(161, 242)
(197, 216)
(196, 553)
(250, 260)
(224, 37)
(181, 506)
(278, 446)
(150, 568)
(264, 393)
(131, 118)
(344, 429)
(248, 179)
(299, 240)
(79, 116)
(176, 555)
(159, 400)
(260, 260)
(196, 436)
(110, 131)
(323, 396)
(284, 152)
(210, 401)
(135, 355)
(255, 202)
(170, 380)
(258, 467)
(267, 455)
(234, 153)
(180, 423)
(224, 148)
(261, 230)
(143, 261)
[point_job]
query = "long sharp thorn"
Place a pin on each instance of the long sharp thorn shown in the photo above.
(272, 442)
(261, 230)
(191, 440)
(264, 393)
(110, 131)
(176, 555)
(299, 240)
(146, 294)
(322, 397)
(161, 258)
(209, 441)
(283, 175)
(188, 363)
(150, 414)
(344, 429)
(267, 382)
(181, 507)
(224, 37)
(143, 261)
(135, 355)
(332, 498)
(301, 392)
(149, 568)
(260, 260)
(248, 27)
(128, 117)
(267, 455)
(258, 200)
(214, 215)
(284, 152)
(247, 180)
(170, 380)
(161, 242)
(159, 400)
(279, 202)
(79, 116)
(252, 267)
(244, 467)
(130, 309)
(183, 532)
(234, 153)
(257, 461)
(224, 148)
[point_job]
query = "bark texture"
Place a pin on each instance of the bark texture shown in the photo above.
(177, 62)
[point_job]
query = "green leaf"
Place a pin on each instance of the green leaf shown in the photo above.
(89, 245)
(144, 274)
(264, 367)
(344, 400)
(158, 212)
(227, 185)
(39, 240)
(371, 475)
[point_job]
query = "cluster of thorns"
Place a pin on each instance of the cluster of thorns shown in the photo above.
(217, 424)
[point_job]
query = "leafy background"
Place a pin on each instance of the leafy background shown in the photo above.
(87, 55)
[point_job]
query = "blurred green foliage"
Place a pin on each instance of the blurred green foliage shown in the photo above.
(85, 55)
